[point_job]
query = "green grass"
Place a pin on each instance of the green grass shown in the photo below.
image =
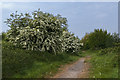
(103, 66)
(19, 63)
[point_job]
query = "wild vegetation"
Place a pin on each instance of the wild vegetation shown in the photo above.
(20, 63)
(99, 39)
(105, 57)
(37, 44)
(40, 39)
(41, 31)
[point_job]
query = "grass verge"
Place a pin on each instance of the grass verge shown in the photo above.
(18, 63)
(103, 66)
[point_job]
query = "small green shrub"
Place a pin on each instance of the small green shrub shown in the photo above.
(109, 50)
(3, 36)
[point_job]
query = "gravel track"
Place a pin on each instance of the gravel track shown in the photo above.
(73, 70)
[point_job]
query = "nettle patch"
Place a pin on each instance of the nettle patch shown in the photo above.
(41, 31)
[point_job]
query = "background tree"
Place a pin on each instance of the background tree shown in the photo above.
(98, 39)
(116, 39)
(85, 41)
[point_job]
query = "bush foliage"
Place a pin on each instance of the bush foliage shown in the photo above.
(109, 50)
(98, 39)
(41, 31)
(70, 42)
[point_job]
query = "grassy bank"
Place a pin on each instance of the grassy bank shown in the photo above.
(18, 63)
(103, 65)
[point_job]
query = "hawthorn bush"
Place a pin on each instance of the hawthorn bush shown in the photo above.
(41, 31)
(70, 43)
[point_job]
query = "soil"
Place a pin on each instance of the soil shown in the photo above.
(78, 69)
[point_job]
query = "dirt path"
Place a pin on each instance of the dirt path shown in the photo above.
(79, 69)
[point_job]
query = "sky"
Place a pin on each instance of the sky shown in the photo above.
(83, 17)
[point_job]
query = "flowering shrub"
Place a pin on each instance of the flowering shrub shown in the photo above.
(41, 31)
(70, 43)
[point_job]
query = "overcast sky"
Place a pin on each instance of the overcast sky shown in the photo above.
(82, 16)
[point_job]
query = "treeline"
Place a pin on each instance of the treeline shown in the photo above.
(100, 39)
